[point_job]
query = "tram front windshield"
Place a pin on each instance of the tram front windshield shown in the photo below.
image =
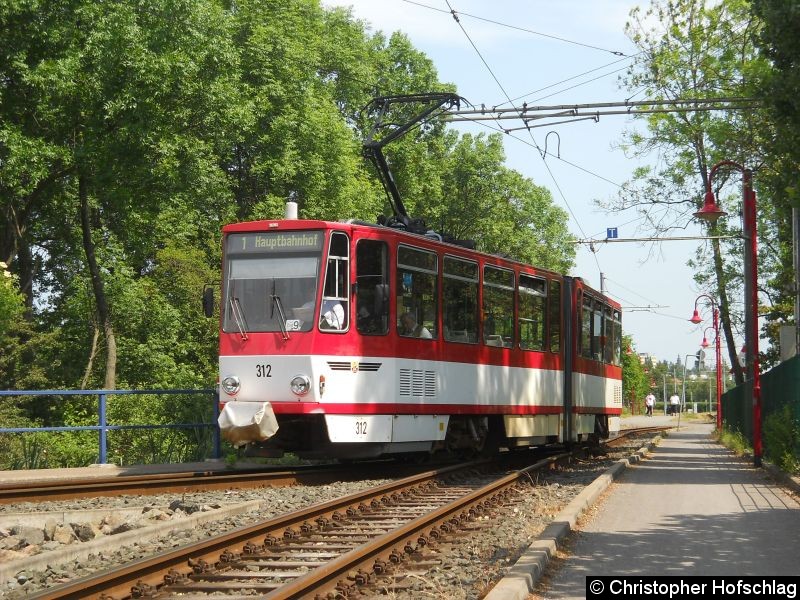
(271, 281)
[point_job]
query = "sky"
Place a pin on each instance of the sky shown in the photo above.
(549, 52)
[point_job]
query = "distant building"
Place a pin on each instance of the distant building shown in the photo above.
(646, 357)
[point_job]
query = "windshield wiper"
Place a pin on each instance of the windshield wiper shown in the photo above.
(276, 301)
(238, 316)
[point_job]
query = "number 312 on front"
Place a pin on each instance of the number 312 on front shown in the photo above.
(359, 428)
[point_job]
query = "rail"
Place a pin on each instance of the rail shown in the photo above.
(103, 427)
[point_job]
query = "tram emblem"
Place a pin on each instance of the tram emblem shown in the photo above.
(354, 366)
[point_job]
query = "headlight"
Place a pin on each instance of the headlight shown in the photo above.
(231, 385)
(300, 385)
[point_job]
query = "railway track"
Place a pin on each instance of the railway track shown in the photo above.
(213, 562)
(159, 483)
(625, 434)
(329, 548)
(215, 479)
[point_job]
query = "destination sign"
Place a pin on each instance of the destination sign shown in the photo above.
(275, 242)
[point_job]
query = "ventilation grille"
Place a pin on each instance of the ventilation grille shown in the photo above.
(618, 394)
(417, 383)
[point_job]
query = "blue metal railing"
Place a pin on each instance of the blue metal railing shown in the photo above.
(103, 427)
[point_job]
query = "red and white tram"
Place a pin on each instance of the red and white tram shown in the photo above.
(352, 340)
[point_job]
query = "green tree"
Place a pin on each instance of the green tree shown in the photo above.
(130, 133)
(11, 300)
(110, 107)
(502, 211)
(691, 50)
(779, 42)
(635, 382)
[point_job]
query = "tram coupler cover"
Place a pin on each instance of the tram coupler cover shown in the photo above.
(243, 422)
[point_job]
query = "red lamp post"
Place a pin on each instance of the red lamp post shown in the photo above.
(696, 319)
(704, 343)
(711, 212)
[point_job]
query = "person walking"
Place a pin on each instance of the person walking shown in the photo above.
(649, 402)
(674, 404)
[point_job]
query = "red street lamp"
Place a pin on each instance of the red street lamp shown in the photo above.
(696, 319)
(711, 212)
(704, 343)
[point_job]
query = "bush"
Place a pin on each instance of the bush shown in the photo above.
(734, 440)
(782, 440)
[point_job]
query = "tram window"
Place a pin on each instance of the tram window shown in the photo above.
(498, 307)
(333, 316)
(617, 339)
(532, 303)
(372, 289)
(417, 300)
(554, 300)
(460, 300)
(597, 330)
(586, 327)
(608, 335)
(271, 276)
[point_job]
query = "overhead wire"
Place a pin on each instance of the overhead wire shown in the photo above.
(517, 27)
(558, 157)
(547, 87)
(535, 145)
(511, 101)
(455, 14)
(577, 85)
(646, 214)
(646, 299)
(502, 130)
(642, 217)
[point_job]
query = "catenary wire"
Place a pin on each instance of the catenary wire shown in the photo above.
(552, 85)
(517, 27)
(455, 14)
(646, 299)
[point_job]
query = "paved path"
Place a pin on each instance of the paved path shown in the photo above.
(692, 508)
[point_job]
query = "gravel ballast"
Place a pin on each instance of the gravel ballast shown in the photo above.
(43, 545)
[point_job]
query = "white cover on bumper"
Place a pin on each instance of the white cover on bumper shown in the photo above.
(244, 422)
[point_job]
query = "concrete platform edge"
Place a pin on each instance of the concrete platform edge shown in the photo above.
(520, 580)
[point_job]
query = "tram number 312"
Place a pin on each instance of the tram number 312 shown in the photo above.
(361, 427)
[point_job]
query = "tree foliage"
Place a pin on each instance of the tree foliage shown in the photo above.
(779, 42)
(694, 49)
(11, 301)
(131, 132)
(635, 382)
(503, 212)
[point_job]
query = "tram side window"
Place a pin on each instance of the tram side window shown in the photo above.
(586, 327)
(417, 271)
(498, 307)
(532, 303)
(372, 289)
(460, 300)
(608, 335)
(554, 300)
(597, 330)
(617, 338)
(333, 316)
